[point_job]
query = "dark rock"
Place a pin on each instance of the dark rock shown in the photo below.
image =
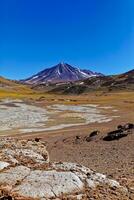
(94, 133)
(115, 135)
(88, 139)
(120, 127)
(127, 126)
(37, 139)
(115, 132)
(92, 136)
(77, 137)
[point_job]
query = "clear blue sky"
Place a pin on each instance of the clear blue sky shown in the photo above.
(93, 34)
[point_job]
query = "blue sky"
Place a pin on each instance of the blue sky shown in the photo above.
(92, 34)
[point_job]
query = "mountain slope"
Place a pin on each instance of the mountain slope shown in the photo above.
(9, 86)
(119, 82)
(62, 72)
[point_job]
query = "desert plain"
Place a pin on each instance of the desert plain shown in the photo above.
(64, 123)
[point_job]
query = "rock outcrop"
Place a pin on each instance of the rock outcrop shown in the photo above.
(27, 174)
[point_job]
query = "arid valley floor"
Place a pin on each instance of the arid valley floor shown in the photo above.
(64, 122)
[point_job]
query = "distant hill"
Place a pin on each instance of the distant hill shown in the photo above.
(60, 73)
(119, 82)
(7, 85)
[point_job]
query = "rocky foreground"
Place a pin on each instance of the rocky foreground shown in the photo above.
(27, 174)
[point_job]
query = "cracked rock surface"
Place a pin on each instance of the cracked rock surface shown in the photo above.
(27, 174)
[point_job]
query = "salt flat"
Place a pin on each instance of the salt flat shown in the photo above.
(17, 115)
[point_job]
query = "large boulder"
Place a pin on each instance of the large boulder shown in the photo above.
(115, 135)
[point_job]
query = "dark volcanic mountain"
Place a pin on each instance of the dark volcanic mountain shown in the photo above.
(60, 73)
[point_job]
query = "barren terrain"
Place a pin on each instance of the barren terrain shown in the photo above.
(64, 122)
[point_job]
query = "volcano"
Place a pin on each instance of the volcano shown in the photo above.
(60, 73)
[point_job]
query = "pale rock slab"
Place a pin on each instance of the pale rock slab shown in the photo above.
(48, 184)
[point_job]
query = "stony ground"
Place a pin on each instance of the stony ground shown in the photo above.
(27, 174)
